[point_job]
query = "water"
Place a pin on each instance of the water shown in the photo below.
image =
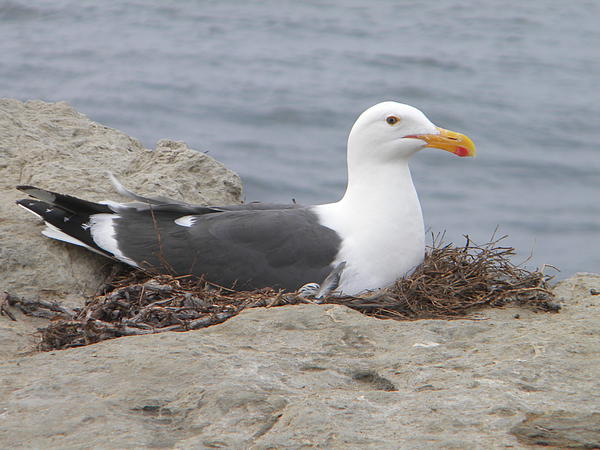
(272, 89)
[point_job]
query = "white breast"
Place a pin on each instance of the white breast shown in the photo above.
(382, 234)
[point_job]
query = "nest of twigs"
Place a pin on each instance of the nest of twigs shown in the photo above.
(451, 282)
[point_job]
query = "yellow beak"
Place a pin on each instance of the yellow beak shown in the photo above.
(452, 142)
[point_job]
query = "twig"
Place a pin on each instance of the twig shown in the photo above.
(4, 304)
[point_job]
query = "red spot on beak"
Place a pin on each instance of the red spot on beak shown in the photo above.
(461, 151)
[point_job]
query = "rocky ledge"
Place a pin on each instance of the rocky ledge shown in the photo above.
(318, 376)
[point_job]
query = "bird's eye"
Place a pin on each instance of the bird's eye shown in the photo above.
(392, 120)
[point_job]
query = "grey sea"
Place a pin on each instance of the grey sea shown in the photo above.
(272, 88)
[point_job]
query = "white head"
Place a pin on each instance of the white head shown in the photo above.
(390, 131)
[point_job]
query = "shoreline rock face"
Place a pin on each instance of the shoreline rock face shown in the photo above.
(52, 146)
(321, 376)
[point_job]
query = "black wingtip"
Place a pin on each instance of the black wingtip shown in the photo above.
(26, 202)
(35, 206)
(40, 194)
(25, 187)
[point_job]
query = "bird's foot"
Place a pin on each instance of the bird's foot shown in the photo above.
(309, 291)
(316, 292)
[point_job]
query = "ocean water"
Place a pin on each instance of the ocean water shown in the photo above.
(272, 89)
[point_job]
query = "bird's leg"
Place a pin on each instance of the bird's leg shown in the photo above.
(326, 288)
(309, 290)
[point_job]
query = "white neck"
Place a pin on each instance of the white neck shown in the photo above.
(380, 222)
(378, 183)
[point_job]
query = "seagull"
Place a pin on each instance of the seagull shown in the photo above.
(368, 239)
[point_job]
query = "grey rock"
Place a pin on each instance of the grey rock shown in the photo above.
(52, 146)
(320, 376)
(560, 429)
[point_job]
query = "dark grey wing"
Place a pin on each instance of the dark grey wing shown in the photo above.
(249, 246)
(259, 206)
(252, 248)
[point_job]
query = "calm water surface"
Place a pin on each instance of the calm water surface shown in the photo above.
(272, 89)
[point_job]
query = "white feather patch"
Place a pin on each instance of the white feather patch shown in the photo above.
(103, 233)
(115, 206)
(52, 232)
(186, 221)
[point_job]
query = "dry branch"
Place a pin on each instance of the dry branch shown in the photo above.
(455, 280)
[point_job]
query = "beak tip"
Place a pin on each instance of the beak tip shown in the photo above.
(461, 151)
(464, 151)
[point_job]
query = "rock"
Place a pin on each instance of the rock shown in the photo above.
(560, 429)
(320, 376)
(52, 146)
